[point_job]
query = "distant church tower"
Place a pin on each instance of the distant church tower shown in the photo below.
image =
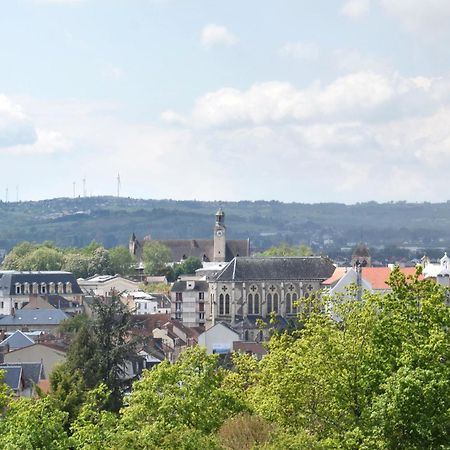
(219, 237)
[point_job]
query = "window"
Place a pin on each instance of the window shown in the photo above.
(288, 303)
(43, 288)
(201, 307)
(201, 296)
(275, 303)
(18, 289)
(178, 315)
(177, 307)
(256, 304)
(201, 316)
(221, 305)
(2, 304)
(250, 303)
(16, 305)
(227, 304)
(179, 296)
(294, 304)
(269, 303)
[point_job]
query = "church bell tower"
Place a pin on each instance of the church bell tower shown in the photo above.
(219, 237)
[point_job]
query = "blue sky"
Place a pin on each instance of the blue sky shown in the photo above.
(331, 100)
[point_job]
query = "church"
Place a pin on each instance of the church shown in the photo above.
(217, 249)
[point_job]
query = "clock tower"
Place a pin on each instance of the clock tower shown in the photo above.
(219, 237)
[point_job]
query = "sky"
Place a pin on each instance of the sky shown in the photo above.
(291, 100)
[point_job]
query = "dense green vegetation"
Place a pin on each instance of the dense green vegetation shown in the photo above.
(378, 378)
(325, 227)
(82, 262)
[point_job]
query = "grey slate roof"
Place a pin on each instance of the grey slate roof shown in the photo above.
(204, 248)
(12, 376)
(277, 268)
(34, 317)
(17, 340)
(32, 372)
(8, 279)
(180, 286)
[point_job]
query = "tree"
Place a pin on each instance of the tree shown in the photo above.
(33, 424)
(155, 257)
(185, 396)
(121, 261)
(101, 350)
(99, 262)
(43, 258)
(286, 250)
(187, 267)
(77, 263)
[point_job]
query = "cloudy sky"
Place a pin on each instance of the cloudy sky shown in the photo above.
(292, 100)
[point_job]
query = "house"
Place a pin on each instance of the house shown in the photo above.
(33, 319)
(48, 354)
(104, 285)
(16, 340)
(219, 338)
(255, 349)
(140, 302)
(16, 287)
(188, 302)
(218, 249)
(30, 372)
(370, 279)
(248, 289)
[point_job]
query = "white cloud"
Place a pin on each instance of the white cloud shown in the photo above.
(213, 35)
(355, 8)
(15, 127)
(362, 96)
(300, 50)
(428, 17)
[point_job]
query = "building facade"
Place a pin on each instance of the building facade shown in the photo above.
(17, 287)
(189, 302)
(251, 289)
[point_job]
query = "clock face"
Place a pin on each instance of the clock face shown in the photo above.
(219, 233)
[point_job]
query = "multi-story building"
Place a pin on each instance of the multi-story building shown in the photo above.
(189, 304)
(17, 287)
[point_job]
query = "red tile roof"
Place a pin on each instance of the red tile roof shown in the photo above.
(338, 273)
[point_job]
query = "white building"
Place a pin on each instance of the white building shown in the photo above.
(105, 284)
(219, 338)
(188, 302)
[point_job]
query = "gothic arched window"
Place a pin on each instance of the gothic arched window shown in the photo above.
(288, 303)
(221, 305)
(275, 303)
(294, 304)
(227, 304)
(269, 303)
(256, 304)
(250, 303)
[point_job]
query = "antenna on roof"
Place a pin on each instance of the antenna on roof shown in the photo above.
(84, 187)
(118, 185)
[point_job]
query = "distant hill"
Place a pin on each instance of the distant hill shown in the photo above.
(327, 227)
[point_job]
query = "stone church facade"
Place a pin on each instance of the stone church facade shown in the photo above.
(251, 289)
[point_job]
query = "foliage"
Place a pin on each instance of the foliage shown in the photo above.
(187, 267)
(121, 261)
(82, 262)
(244, 432)
(99, 352)
(33, 424)
(155, 257)
(185, 394)
(287, 250)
